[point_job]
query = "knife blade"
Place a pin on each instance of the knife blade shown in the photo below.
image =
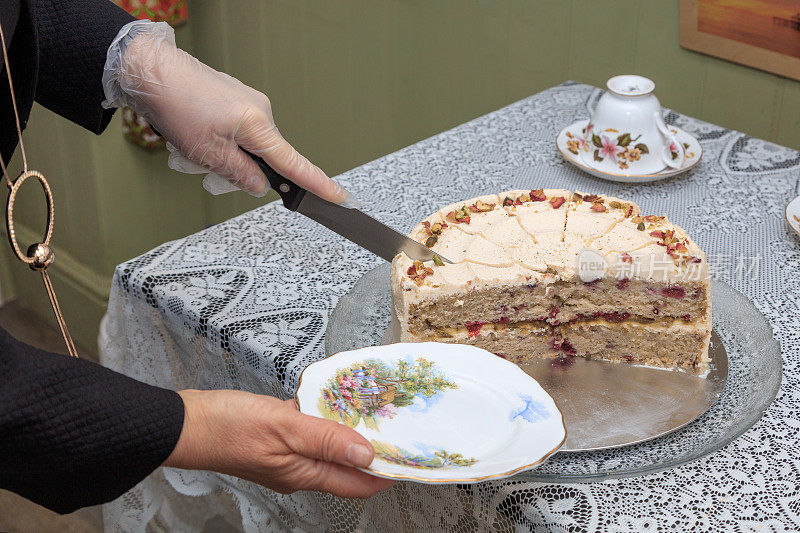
(349, 222)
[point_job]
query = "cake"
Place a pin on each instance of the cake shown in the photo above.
(556, 273)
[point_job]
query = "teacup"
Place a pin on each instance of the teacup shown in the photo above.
(627, 134)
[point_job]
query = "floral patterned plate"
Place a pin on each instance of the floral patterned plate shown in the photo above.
(571, 144)
(436, 413)
(793, 215)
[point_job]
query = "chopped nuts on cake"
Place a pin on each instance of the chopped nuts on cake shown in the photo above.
(514, 288)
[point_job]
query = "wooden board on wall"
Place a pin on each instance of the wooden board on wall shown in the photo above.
(732, 50)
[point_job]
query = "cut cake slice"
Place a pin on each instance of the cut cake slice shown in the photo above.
(520, 286)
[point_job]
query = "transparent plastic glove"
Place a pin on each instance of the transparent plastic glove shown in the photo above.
(204, 115)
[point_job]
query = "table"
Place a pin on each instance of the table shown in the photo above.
(244, 305)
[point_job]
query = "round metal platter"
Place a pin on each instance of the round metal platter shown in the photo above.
(606, 405)
(622, 420)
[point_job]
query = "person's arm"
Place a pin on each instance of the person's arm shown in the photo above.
(73, 433)
(91, 50)
(73, 38)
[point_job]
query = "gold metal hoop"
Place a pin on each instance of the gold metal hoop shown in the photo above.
(12, 195)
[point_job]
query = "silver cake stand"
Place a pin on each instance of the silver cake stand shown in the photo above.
(621, 420)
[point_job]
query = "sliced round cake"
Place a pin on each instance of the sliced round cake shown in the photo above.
(550, 272)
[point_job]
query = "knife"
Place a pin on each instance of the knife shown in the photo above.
(349, 222)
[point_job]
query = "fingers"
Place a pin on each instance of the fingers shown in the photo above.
(324, 458)
(216, 184)
(236, 167)
(258, 134)
(213, 183)
(177, 161)
(289, 163)
(344, 481)
(328, 441)
(291, 403)
(228, 174)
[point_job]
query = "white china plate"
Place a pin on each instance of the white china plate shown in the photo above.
(694, 153)
(793, 215)
(436, 413)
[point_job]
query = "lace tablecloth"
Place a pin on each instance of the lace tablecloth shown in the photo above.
(244, 305)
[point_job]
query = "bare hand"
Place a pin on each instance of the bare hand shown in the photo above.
(266, 440)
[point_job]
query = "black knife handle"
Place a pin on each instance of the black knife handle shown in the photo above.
(290, 193)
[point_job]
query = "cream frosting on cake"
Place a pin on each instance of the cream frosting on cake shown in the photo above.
(551, 272)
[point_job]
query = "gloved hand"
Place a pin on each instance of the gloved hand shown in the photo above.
(204, 115)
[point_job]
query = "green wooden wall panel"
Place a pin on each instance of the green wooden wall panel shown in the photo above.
(244, 51)
(276, 69)
(679, 74)
(336, 13)
(352, 80)
(740, 98)
(249, 60)
(422, 89)
(329, 100)
(602, 39)
(475, 59)
(538, 47)
(286, 82)
(141, 201)
(787, 125)
(73, 184)
(372, 53)
(82, 309)
(210, 32)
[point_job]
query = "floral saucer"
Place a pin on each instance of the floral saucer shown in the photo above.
(434, 412)
(793, 215)
(572, 145)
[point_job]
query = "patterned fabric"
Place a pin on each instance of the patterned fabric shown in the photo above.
(65, 423)
(244, 305)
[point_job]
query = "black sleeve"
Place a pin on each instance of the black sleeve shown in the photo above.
(73, 433)
(73, 38)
